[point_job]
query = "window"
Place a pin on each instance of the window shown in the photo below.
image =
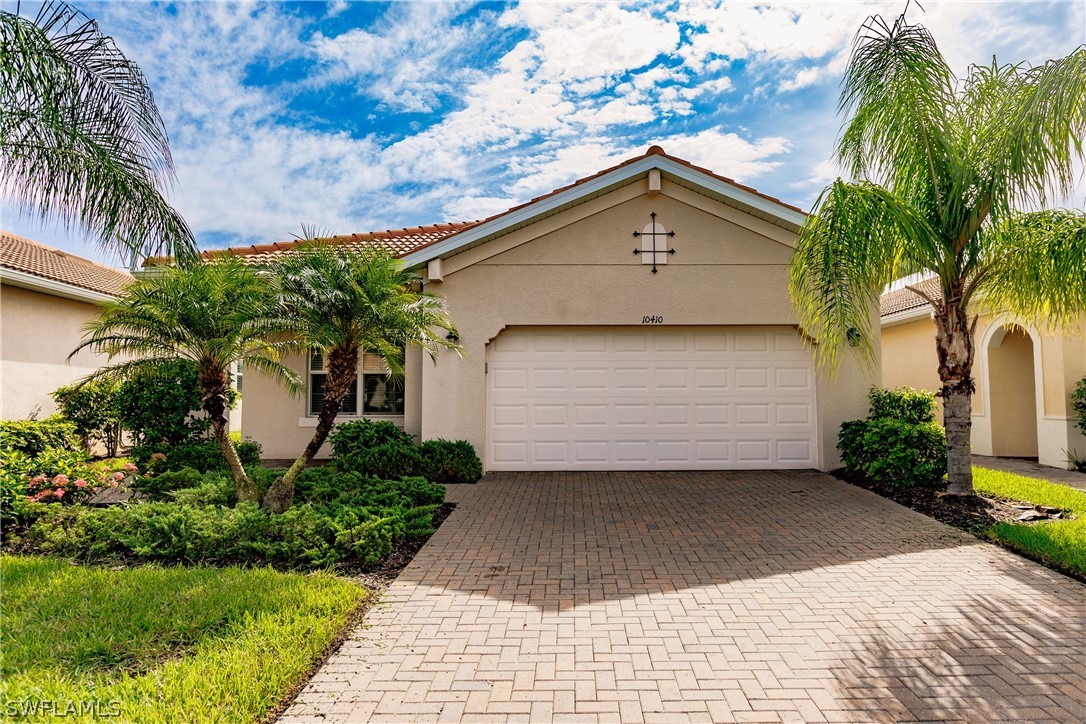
(380, 394)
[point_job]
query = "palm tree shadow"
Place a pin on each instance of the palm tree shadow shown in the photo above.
(995, 658)
(556, 542)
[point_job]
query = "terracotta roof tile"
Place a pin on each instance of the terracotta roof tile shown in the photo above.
(43, 261)
(902, 300)
(397, 241)
(405, 241)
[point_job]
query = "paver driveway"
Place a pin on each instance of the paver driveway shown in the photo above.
(706, 597)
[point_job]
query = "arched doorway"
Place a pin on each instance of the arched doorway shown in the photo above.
(1012, 392)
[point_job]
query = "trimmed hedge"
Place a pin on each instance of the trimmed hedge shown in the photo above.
(380, 449)
(899, 444)
(450, 461)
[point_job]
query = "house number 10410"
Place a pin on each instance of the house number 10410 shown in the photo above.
(652, 319)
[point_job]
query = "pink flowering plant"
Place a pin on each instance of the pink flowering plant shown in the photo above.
(80, 485)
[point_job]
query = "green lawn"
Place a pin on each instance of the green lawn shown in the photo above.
(160, 644)
(1061, 544)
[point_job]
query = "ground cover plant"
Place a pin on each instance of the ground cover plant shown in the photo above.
(191, 517)
(163, 644)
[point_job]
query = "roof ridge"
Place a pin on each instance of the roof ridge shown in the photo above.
(446, 230)
(63, 254)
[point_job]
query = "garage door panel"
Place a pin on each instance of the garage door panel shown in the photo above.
(637, 400)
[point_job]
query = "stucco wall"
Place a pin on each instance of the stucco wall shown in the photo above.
(909, 359)
(280, 424)
(37, 333)
(579, 269)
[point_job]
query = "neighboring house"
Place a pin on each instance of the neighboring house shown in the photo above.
(589, 344)
(46, 296)
(1024, 378)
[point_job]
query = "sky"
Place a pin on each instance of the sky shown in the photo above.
(362, 116)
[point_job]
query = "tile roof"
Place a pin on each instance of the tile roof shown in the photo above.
(902, 300)
(43, 261)
(396, 241)
(404, 241)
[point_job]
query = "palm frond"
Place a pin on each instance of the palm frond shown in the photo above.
(856, 241)
(1035, 268)
(81, 140)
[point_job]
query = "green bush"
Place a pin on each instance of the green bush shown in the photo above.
(93, 409)
(202, 455)
(378, 449)
(1078, 404)
(32, 437)
(904, 404)
(899, 444)
(450, 461)
(164, 407)
(350, 437)
(338, 518)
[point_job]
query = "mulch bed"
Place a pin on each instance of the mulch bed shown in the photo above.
(974, 514)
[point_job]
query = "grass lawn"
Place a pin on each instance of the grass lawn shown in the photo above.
(1060, 544)
(156, 644)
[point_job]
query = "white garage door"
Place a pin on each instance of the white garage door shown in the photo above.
(650, 399)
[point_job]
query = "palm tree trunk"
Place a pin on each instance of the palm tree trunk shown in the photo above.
(214, 384)
(342, 371)
(954, 344)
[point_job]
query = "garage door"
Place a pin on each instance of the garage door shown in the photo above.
(645, 399)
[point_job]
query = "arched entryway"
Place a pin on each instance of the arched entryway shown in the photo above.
(1012, 392)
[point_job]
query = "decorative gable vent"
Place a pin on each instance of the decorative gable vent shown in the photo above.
(654, 243)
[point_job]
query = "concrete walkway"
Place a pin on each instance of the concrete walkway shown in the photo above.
(1032, 469)
(706, 597)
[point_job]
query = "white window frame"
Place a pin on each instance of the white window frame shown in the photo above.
(310, 418)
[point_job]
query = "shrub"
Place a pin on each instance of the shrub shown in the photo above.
(32, 437)
(450, 461)
(1078, 404)
(201, 455)
(899, 444)
(164, 407)
(328, 485)
(93, 409)
(378, 449)
(904, 404)
(356, 524)
(349, 437)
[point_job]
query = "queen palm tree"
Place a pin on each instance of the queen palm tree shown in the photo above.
(212, 314)
(345, 302)
(81, 140)
(951, 178)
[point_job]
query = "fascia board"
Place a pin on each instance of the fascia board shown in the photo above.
(642, 166)
(52, 287)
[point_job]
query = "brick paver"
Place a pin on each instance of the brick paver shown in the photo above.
(674, 597)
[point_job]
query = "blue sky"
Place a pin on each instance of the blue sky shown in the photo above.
(358, 116)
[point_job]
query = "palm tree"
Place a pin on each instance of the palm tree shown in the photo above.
(81, 140)
(946, 173)
(214, 315)
(346, 302)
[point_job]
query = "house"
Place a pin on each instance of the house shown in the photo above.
(1024, 377)
(46, 296)
(637, 319)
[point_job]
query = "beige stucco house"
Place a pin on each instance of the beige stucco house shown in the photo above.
(46, 296)
(1024, 377)
(637, 319)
